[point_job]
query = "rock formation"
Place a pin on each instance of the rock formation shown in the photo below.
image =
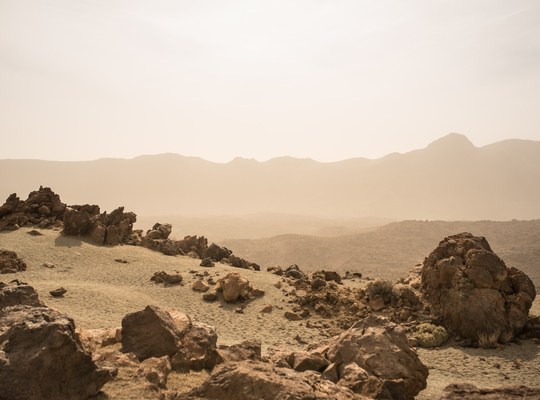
(255, 380)
(42, 208)
(372, 358)
(474, 293)
(10, 263)
(465, 391)
(233, 287)
(109, 229)
(155, 332)
(166, 279)
(42, 358)
(18, 293)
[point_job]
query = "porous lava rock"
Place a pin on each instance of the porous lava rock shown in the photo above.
(106, 228)
(473, 292)
(42, 358)
(42, 208)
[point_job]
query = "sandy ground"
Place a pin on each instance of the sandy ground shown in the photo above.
(100, 291)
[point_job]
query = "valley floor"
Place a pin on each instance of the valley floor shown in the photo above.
(101, 291)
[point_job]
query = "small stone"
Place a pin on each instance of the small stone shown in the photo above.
(257, 293)
(48, 265)
(58, 292)
(239, 310)
(200, 286)
(210, 296)
(292, 316)
(267, 309)
(33, 232)
(207, 262)
(121, 261)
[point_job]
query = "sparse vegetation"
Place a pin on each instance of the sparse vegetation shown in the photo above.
(429, 335)
(489, 340)
(381, 288)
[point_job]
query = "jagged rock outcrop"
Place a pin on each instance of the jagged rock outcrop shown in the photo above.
(42, 208)
(10, 263)
(372, 358)
(18, 293)
(217, 253)
(155, 332)
(255, 380)
(109, 229)
(41, 357)
(472, 290)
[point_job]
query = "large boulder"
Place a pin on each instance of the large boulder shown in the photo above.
(42, 358)
(234, 286)
(473, 292)
(18, 293)
(10, 263)
(42, 207)
(156, 332)
(255, 380)
(373, 358)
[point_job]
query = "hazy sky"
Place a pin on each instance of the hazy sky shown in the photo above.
(324, 79)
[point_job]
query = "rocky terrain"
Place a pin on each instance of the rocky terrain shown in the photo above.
(95, 309)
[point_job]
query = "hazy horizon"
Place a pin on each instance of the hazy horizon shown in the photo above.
(328, 81)
(283, 156)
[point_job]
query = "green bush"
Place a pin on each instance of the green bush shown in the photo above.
(429, 335)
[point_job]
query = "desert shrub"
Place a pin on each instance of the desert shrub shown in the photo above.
(429, 335)
(489, 340)
(382, 288)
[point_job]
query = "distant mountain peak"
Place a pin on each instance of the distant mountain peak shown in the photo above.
(452, 142)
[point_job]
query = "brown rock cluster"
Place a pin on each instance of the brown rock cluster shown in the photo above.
(42, 208)
(473, 292)
(102, 228)
(41, 356)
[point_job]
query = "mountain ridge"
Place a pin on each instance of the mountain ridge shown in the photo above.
(448, 179)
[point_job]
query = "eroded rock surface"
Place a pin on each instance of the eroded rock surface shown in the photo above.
(472, 290)
(10, 263)
(42, 358)
(155, 332)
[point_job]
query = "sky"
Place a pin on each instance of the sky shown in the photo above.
(323, 79)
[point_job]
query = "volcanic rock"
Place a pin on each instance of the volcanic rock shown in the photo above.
(155, 332)
(373, 358)
(472, 290)
(18, 293)
(58, 292)
(217, 253)
(42, 208)
(42, 358)
(10, 263)
(460, 391)
(234, 286)
(254, 380)
(165, 278)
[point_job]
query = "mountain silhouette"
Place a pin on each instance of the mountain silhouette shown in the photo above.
(449, 179)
